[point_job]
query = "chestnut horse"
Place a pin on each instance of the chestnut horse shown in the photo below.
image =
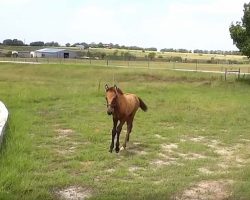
(123, 108)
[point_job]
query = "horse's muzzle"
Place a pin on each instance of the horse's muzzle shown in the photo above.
(109, 112)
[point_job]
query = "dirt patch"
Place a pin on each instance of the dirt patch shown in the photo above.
(245, 140)
(197, 139)
(160, 163)
(74, 193)
(64, 152)
(230, 156)
(111, 170)
(191, 156)
(169, 147)
(205, 171)
(134, 168)
(169, 155)
(165, 160)
(166, 157)
(63, 133)
(207, 190)
(159, 136)
(139, 152)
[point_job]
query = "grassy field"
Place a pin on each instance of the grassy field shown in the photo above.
(188, 56)
(139, 53)
(193, 142)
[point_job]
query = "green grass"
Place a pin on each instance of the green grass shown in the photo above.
(37, 158)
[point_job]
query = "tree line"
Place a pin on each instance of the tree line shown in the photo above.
(16, 42)
(199, 51)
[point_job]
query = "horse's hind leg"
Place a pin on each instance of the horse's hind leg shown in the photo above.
(113, 134)
(129, 129)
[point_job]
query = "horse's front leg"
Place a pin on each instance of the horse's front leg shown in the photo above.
(119, 128)
(113, 134)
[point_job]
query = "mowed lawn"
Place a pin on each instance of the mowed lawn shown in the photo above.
(193, 143)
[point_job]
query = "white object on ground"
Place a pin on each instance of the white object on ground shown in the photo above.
(3, 119)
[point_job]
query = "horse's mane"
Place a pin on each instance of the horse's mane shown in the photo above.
(113, 89)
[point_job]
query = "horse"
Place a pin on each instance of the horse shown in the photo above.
(123, 108)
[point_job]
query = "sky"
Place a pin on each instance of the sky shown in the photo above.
(187, 24)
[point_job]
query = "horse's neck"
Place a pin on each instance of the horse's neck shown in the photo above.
(121, 103)
(121, 100)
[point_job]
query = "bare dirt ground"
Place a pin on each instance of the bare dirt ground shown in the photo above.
(207, 190)
(74, 193)
(228, 157)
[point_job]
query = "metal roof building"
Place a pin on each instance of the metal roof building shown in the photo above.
(53, 53)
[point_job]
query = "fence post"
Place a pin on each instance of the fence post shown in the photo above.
(239, 74)
(225, 74)
(99, 86)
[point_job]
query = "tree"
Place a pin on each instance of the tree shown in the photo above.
(240, 32)
(151, 49)
(37, 43)
(67, 44)
(14, 42)
(100, 45)
(7, 42)
(151, 55)
(52, 44)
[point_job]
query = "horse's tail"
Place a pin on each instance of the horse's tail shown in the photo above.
(143, 106)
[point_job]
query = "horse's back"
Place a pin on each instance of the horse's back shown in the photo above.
(132, 102)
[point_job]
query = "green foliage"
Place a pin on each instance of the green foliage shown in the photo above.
(8, 54)
(14, 42)
(52, 44)
(176, 59)
(151, 55)
(38, 43)
(240, 32)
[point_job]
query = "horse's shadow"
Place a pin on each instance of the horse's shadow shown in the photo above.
(133, 149)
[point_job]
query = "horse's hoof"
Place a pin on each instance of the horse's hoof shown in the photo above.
(122, 148)
(117, 150)
(110, 151)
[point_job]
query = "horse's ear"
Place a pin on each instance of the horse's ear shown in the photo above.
(106, 87)
(116, 89)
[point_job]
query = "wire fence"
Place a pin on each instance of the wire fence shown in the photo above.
(218, 67)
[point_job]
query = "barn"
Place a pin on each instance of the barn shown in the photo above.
(53, 53)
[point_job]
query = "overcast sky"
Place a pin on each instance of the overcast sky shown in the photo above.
(189, 24)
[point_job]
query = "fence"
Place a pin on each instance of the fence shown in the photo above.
(219, 67)
(231, 71)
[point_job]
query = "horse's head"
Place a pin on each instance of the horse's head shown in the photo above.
(111, 98)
